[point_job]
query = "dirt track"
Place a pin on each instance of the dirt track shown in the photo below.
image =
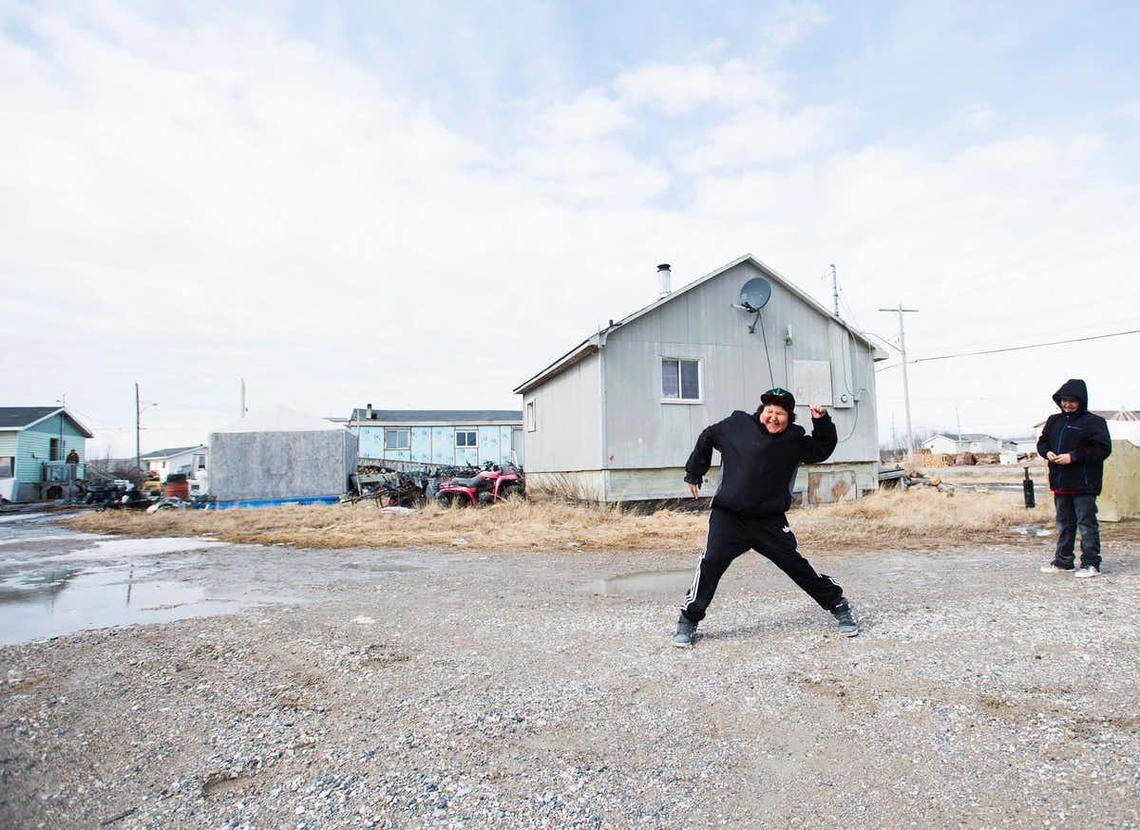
(540, 690)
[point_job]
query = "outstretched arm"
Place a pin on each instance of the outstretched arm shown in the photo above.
(821, 443)
(700, 459)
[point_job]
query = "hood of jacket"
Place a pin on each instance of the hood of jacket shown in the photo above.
(1073, 388)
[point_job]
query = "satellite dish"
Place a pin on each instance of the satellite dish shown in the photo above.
(755, 294)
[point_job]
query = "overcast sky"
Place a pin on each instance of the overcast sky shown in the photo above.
(419, 205)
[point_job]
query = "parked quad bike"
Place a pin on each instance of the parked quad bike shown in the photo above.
(490, 485)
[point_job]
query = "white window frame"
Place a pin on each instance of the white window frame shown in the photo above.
(700, 379)
(531, 416)
(405, 430)
(465, 430)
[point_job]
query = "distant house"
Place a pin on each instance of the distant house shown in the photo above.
(443, 437)
(1123, 424)
(186, 460)
(615, 417)
(946, 443)
(35, 443)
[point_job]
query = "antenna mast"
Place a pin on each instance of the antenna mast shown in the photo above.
(835, 292)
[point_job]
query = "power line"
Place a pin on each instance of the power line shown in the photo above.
(1015, 348)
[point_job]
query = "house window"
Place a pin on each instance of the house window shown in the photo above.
(7, 466)
(680, 379)
(397, 439)
(531, 422)
(200, 461)
(54, 451)
(466, 437)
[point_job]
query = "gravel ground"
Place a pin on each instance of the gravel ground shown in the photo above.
(541, 690)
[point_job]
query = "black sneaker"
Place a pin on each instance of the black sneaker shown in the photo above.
(846, 619)
(684, 636)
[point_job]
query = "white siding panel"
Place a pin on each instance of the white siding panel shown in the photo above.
(568, 434)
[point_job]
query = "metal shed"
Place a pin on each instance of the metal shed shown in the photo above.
(280, 455)
(615, 418)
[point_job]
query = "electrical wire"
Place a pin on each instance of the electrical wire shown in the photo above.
(763, 334)
(1013, 348)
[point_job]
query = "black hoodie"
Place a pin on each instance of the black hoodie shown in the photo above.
(758, 469)
(1082, 435)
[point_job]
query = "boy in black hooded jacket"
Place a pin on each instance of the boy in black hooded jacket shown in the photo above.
(1076, 443)
(760, 454)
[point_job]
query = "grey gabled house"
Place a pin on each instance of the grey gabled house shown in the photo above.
(615, 418)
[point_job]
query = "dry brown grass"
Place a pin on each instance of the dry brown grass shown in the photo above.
(912, 519)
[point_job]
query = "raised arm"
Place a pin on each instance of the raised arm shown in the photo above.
(821, 443)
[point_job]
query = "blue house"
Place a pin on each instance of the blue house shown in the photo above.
(446, 437)
(36, 445)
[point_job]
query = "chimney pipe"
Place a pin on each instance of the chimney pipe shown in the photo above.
(665, 278)
(368, 412)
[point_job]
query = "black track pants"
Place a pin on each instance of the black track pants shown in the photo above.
(731, 535)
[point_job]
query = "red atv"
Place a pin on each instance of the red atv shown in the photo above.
(491, 484)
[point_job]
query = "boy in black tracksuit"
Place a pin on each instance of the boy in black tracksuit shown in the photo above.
(760, 454)
(1076, 443)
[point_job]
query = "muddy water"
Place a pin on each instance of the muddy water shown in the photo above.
(54, 581)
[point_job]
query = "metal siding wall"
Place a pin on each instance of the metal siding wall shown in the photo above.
(269, 465)
(72, 440)
(37, 444)
(568, 416)
(644, 433)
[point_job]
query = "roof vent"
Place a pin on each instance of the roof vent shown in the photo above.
(665, 278)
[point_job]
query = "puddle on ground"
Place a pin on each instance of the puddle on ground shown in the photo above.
(55, 581)
(60, 600)
(20, 540)
(641, 583)
(116, 547)
(1030, 530)
(63, 600)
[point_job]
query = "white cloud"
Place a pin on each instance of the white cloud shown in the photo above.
(762, 137)
(1130, 109)
(678, 89)
(591, 115)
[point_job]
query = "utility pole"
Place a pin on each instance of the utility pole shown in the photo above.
(906, 385)
(138, 413)
(243, 397)
(958, 438)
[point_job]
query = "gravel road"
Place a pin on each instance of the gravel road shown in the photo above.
(458, 689)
